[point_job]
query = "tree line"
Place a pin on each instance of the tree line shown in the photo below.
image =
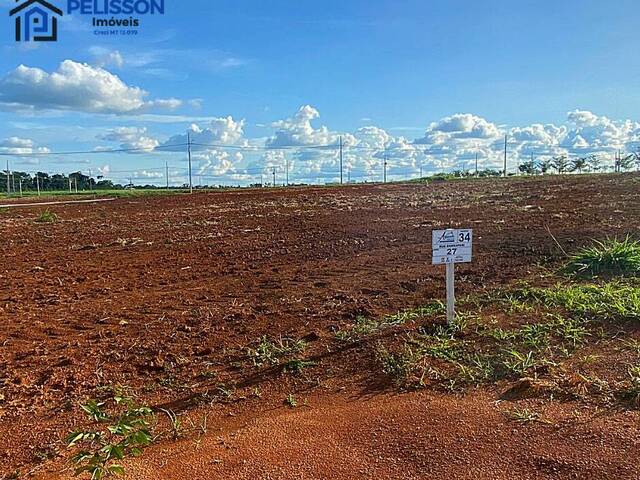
(590, 163)
(23, 181)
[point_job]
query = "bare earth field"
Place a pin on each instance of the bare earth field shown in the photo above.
(170, 295)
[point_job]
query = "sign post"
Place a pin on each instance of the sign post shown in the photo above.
(450, 247)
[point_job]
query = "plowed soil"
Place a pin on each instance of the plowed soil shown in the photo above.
(165, 294)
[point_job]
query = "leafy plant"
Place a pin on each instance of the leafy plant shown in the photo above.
(524, 416)
(291, 401)
(632, 389)
(363, 326)
(399, 366)
(47, 217)
(297, 366)
(175, 422)
(518, 363)
(611, 257)
(269, 352)
(117, 434)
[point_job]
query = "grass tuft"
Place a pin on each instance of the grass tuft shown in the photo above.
(47, 217)
(608, 258)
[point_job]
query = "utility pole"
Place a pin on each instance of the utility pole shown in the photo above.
(20, 186)
(505, 156)
(476, 164)
(286, 169)
(189, 152)
(341, 160)
(8, 185)
(38, 183)
(385, 169)
(70, 184)
(166, 173)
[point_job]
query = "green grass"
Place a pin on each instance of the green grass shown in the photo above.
(297, 366)
(631, 391)
(609, 258)
(47, 217)
(524, 416)
(609, 301)
(270, 352)
(473, 351)
(365, 326)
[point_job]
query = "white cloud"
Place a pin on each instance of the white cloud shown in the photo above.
(220, 131)
(21, 146)
(460, 126)
(131, 138)
(104, 57)
(298, 131)
(75, 86)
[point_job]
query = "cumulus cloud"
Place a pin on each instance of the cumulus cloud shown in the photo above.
(21, 146)
(131, 138)
(221, 150)
(220, 131)
(75, 86)
(297, 131)
(103, 57)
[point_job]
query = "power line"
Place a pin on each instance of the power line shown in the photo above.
(90, 152)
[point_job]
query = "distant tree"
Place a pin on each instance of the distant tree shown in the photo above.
(626, 163)
(489, 173)
(106, 185)
(544, 165)
(528, 168)
(578, 164)
(594, 162)
(560, 164)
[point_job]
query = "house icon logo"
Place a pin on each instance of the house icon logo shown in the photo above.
(36, 20)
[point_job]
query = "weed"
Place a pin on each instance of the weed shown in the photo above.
(632, 344)
(399, 366)
(500, 334)
(175, 422)
(518, 363)
(117, 435)
(363, 326)
(291, 401)
(270, 352)
(632, 389)
(366, 326)
(524, 416)
(611, 257)
(609, 301)
(297, 366)
(47, 217)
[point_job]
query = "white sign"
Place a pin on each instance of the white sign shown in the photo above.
(452, 246)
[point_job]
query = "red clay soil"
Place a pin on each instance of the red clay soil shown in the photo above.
(164, 295)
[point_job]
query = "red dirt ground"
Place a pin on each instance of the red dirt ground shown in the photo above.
(164, 294)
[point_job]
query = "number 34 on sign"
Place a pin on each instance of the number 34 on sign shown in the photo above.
(452, 246)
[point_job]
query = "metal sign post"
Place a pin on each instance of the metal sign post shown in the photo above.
(450, 247)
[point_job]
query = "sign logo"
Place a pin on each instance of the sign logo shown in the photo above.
(36, 20)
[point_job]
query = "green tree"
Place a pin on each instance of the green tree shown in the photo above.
(560, 164)
(578, 164)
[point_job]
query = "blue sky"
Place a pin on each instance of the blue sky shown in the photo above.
(455, 76)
